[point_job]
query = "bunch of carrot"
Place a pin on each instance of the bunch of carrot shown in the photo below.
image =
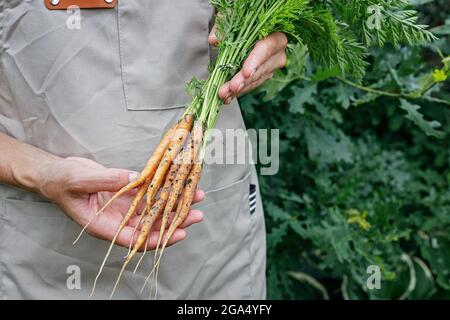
(169, 180)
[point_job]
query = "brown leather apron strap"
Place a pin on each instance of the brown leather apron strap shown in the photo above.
(82, 4)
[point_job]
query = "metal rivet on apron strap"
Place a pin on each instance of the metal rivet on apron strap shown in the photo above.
(108, 1)
(54, 2)
(252, 198)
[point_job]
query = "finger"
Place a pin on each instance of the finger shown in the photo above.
(250, 86)
(177, 236)
(105, 229)
(197, 215)
(89, 180)
(126, 237)
(194, 216)
(199, 196)
(135, 220)
(140, 210)
(256, 84)
(212, 39)
(230, 99)
(275, 62)
(225, 91)
(237, 83)
(262, 52)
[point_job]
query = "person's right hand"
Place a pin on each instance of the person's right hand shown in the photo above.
(80, 187)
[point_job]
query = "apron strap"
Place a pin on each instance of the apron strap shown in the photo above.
(82, 4)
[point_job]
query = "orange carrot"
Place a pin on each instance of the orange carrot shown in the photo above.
(185, 204)
(165, 192)
(178, 184)
(176, 143)
(187, 158)
(150, 219)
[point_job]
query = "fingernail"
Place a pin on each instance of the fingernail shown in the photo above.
(133, 176)
(241, 86)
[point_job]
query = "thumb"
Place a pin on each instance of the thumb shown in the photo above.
(91, 180)
(212, 39)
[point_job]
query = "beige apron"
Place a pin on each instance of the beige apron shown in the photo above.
(107, 91)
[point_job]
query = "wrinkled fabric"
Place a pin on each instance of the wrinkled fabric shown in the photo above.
(108, 92)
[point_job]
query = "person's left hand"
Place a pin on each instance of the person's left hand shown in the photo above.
(268, 55)
(80, 187)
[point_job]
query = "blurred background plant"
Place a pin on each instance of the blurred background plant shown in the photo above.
(364, 174)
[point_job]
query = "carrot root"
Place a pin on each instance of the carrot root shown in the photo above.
(169, 177)
(181, 214)
(178, 139)
(130, 246)
(139, 196)
(150, 219)
(142, 258)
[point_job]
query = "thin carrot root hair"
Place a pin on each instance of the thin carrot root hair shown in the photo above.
(145, 230)
(174, 195)
(147, 173)
(182, 212)
(151, 217)
(139, 196)
(141, 258)
(130, 246)
(156, 284)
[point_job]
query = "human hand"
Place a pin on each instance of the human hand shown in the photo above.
(268, 55)
(81, 187)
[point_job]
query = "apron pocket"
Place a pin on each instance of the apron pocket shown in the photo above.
(216, 258)
(163, 44)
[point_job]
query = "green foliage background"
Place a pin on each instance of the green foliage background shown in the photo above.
(364, 173)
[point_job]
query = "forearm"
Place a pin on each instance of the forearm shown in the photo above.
(21, 164)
